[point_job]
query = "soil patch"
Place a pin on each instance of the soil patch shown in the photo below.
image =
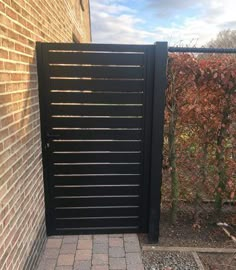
(186, 233)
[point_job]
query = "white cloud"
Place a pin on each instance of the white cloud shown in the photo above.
(216, 15)
(115, 22)
(167, 8)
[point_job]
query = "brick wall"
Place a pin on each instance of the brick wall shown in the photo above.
(22, 223)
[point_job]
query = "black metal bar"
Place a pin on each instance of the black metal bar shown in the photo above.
(97, 230)
(41, 50)
(147, 134)
(96, 58)
(160, 83)
(107, 179)
(68, 212)
(90, 47)
(201, 50)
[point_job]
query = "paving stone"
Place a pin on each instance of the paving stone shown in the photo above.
(64, 268)
(131, 238)
(82, 265)
(51, 253)
(84, 244)
(53, 243)
(83, 255)
(85, 237)
(130, 235)
(132, 247)
(100, 259)
(68, 248)
(100, 267)
(135, 267)
(100, 248)
(70, 239)
(48, 264)
(56, 237)
(115, 235)
(41, 263)
(116, 242)
(133, 258)
(100, 239)
(65, 259)
(116, 252)
(117, 263)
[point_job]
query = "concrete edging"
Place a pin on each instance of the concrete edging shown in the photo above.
(189, 249)
(198, 261)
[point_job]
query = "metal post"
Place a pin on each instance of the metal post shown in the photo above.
(160, 84)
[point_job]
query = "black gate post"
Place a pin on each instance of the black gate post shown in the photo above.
(160, 83)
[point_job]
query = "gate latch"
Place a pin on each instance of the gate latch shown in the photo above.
(50, 137)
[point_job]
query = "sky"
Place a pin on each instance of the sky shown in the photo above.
(180, 22)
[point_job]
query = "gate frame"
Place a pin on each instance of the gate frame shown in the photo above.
(156, 70)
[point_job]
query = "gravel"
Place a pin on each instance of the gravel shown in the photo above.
(168, 261)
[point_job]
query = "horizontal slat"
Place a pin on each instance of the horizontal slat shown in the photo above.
(96, 122)
(97, 180)
(96, 201)
(97, 85)
(97, 212)
(96, 191)
(100, 98)
(95, 58)
(97, 157)
(97, 72)
(101, 222)
(96, 146)
(127, 134)
(97, 110)
(97, 169)
(96, 47)
(97, 230)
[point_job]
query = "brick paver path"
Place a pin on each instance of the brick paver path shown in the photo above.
(92, 252)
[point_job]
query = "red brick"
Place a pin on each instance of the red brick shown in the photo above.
(10, 66)
(4, 54)
(3, 132)
(2, 7)
(23, 22)
(11, 13)
(15, 6)
(7, 120)
(4, 77)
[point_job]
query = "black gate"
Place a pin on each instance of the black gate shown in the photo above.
(96, 104)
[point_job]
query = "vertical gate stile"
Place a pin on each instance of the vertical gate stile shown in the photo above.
(160, 83)
(147, 115)
(43, 85)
